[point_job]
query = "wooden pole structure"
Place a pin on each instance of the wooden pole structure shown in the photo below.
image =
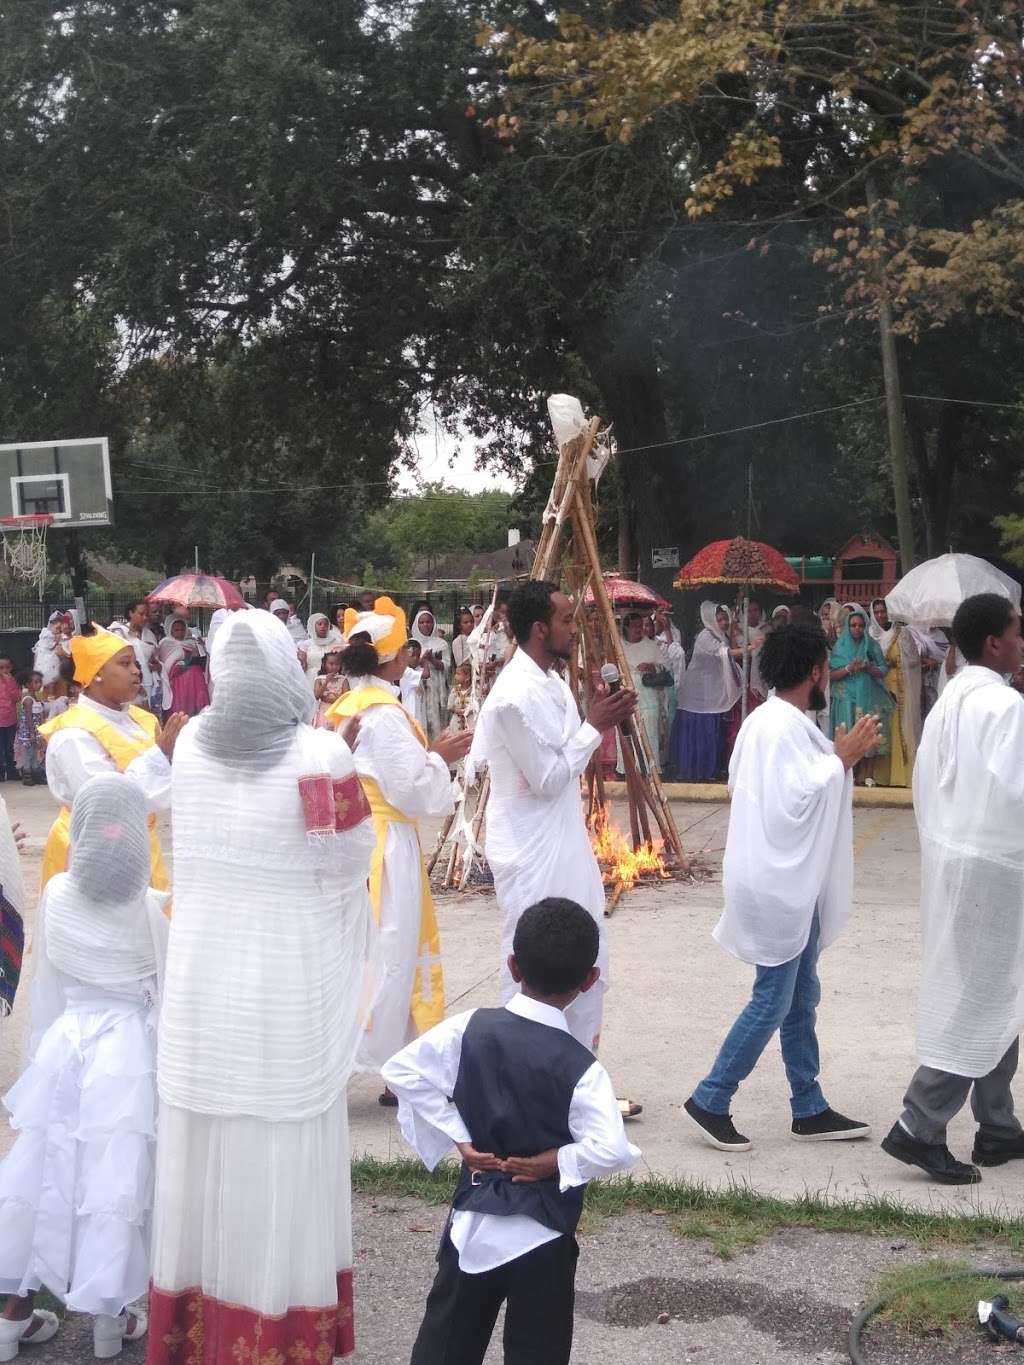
(570, 513)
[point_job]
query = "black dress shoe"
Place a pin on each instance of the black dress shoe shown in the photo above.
(934, 1158)
(996, 1151)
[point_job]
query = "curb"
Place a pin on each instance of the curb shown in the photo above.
(717, 793)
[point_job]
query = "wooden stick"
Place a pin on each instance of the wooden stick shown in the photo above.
(442, 839)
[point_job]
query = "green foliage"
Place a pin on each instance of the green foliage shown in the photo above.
(436, 521)
(924, 1300)
(737, 1210)
(1011, 534)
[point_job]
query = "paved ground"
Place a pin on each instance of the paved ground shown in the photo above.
(675, 992)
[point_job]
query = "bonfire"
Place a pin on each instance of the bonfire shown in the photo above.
(621, 865)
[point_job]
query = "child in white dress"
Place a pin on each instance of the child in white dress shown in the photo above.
(76, 1189)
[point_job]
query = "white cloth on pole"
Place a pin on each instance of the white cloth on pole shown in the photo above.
(969, 803)
(789, 848)
(530, 736)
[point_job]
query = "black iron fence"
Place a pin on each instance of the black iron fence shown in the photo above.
(23, 615)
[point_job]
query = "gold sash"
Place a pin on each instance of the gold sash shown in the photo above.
(427, 1005)
(121, 750)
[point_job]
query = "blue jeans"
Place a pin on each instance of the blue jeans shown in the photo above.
(784, 998)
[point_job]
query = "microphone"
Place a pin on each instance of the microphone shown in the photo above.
(612, 679)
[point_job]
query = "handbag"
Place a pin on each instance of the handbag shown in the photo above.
(662, 677)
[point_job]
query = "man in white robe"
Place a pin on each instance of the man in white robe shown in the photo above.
(787, 880)
(969, 803)
(530, 736)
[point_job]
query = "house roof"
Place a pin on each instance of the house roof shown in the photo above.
(511, 561)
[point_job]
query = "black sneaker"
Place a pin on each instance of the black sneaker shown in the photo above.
(995, 1151)
(828, 1126)
(716, 1129)
(934, 1158)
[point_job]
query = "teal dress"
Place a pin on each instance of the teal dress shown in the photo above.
(860, 694)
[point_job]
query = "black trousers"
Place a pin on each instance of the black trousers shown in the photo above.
(538, 1291)
(7, 736)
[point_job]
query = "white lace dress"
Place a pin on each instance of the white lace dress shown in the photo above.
(76, 1189)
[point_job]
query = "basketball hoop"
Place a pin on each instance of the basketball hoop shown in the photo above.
(25, 547)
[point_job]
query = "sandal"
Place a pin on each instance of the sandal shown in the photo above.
(109, 1334)
(388, 1100)
(41, 1323)
(629, 1109)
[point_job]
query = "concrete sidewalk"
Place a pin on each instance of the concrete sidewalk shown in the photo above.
(675, 993)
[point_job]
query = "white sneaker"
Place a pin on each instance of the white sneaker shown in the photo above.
(12, 1333)
(109, 1334)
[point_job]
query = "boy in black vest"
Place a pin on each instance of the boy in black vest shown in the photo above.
(534, 1117)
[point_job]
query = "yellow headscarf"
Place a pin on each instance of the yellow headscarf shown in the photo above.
(91, 652)
(385, 626)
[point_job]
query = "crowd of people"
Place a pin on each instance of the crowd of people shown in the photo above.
(182, 1122)
(693, 704)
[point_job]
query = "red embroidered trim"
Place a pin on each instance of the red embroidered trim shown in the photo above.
(189, 1328)
(350, 804)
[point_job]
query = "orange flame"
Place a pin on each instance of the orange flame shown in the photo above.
(622, 866)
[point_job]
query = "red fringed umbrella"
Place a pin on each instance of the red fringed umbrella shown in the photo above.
(623, 592)
(197, 590)
(743, 563)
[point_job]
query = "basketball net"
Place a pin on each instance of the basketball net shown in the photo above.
(24, 545)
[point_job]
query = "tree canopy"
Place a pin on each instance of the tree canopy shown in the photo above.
(253, 242)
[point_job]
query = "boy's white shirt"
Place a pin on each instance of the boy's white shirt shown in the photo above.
(423, 1076)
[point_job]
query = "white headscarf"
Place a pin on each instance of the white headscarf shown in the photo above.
(711, 683)
(433, 641)
(317, 646)
(260, 695)
(96, 925)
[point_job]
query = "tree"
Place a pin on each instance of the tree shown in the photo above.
(795, 109)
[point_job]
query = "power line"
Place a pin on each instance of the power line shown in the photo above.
(278, 489)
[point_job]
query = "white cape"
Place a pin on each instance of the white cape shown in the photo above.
(790, 843)
(969, 803)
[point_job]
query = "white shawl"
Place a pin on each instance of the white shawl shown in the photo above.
(711, 683)
(969, 803)
(789, 848)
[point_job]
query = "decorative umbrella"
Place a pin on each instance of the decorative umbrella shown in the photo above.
(623, 592)
(197, 590)
(930, 594)
(740, 562)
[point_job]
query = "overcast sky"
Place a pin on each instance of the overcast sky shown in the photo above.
(445, 457)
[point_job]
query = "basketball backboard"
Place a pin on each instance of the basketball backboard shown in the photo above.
(69, 480)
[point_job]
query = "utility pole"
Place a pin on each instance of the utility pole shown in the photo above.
(893, 399)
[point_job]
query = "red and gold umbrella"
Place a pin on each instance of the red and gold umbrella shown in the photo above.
(741, 562)
(197, 590)
(623, 592)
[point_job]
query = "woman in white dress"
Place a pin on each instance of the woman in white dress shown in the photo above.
(268, 982)
(323, 639)
(436, 659)
(76, 1189)
(711, 688)
(405, 779)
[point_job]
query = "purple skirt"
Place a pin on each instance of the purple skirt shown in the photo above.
(698, 745)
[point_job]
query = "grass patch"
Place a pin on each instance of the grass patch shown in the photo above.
(731, 1219)
(924, 1306)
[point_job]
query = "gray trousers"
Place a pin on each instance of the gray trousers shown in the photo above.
(935, 1097)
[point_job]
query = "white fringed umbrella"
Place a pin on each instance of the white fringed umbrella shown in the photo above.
(930, 594)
